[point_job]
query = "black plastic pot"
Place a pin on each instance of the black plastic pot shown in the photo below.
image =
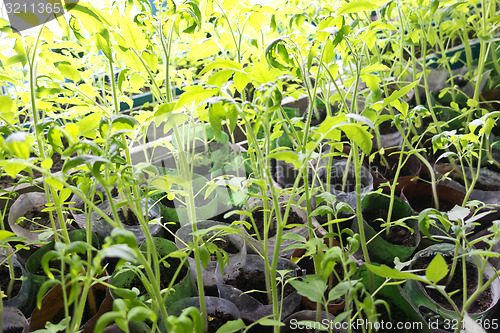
(25, 296)
(103, 228)
(296, 216)
(428, 307)
(13, 320)
(127, 278)
(380, 249)
(219, 310)
(235, 243)
(348, 193)
(409, 171)
(34, 262)
(249, 271)
(400, 301)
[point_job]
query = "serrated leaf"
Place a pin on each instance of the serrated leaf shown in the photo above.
(222, 63)
(356, 6)
(70, 72)
(392, 273)
(13, 167)
(288, 156)
(311, 286)
(132, 34)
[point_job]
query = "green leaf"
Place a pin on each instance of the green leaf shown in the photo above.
(195, 94)
(359, 135)
(288, 156)
(392, 273)
(140, 314)
(356, 6)
(399, 93)
(232, 326)
(5, 104)
(133, 34)
(19, 143)
(13, 167)
(125, 293)
(270, 322)
(122, 251)
(437, 269)
(6, 234)
(70, 72)
(339, 290)
(104, 45)
(89, 124)
(221, 63)
(15, 59)
(81, 159)
(311, 286)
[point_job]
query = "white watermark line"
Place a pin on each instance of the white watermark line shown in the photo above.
(357, 324)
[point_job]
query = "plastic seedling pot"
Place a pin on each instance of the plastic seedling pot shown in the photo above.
(34, 262)
(129, 221)
(375, 205)
(24, 297)
(184, 287)
(219, 310)
(396, 295)
(296, 216)
(30, 206)
(429, 308)
(233, 244)
(248, 274)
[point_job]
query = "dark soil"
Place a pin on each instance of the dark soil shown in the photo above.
(54, 267)
(35, 219)
(258, 216)
(130, 219)
(217, 319)
(389, 172)
(5, 280)
(480, 304)
(166, 275)
(226, 245)
(246, 281)
(397, 235)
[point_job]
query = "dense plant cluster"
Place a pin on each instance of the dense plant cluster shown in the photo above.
(348, 150)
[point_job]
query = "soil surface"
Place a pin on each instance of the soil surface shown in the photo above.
(397, 235)
(35, 219)
(482, 303)
(5, 280)
(246, 281)
(389, 172)
(130, 219)
(258, 216)
(217, 319)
